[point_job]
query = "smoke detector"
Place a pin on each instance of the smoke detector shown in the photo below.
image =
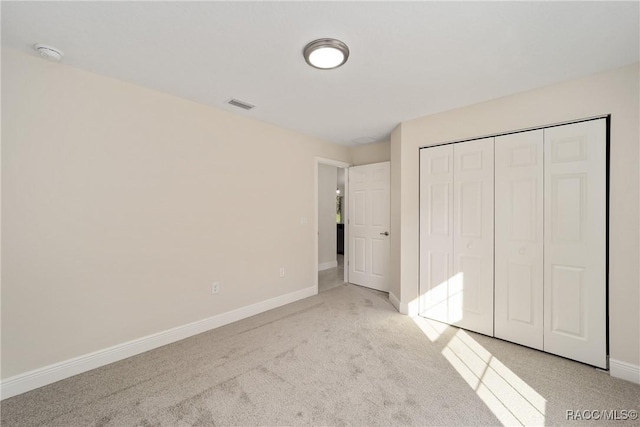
(48, 52)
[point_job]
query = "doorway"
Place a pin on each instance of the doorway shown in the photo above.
(331, 220)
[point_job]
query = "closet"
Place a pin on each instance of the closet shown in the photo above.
(513, 237)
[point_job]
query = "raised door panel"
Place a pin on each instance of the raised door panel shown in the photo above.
(359, 208)
(436, 233)
(519, 238)
(472, 296)
(575, 242)
(359, 255)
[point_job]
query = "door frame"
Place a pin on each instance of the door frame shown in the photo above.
(345, 203)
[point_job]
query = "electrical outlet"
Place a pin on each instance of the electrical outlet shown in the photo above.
(281, 271)
(215, 287)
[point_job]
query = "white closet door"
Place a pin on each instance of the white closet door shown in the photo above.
(436, 232)
(575, 242)
(471, 286)
(519, 238)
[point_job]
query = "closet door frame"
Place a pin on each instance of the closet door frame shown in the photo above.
(607, 118)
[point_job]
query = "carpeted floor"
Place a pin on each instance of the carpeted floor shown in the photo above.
(343, 357)
(332, 277)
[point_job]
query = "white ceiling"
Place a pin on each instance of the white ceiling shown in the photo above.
(408, 59)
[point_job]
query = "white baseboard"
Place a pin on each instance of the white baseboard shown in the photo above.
(624, 370)
(394, 301)
(411, 309)
(40, 377)
(327, 265)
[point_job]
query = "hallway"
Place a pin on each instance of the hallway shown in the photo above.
(333, 277)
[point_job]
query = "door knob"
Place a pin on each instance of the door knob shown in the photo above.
(386, 233)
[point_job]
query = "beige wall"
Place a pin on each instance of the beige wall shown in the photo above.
(120, 206)
(327, 230)
(370, 153)
(615, 92)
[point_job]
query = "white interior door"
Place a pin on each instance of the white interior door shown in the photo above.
(436, 232)
(369, 211)
(519, 238)
(575, 242)
(471, 291)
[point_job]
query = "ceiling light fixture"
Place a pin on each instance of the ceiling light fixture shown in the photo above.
(48, 52)
(326, 54)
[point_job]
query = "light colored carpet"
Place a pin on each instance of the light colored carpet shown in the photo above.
(343, 357)
(332, 277)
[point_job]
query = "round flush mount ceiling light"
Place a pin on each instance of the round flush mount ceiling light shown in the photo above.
(48, 52)
(326, 54)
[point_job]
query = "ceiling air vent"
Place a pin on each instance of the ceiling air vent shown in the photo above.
(240, 104)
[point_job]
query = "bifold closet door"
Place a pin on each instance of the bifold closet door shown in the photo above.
(519, 238)
(471, 286)
(575, 241)
(456, 234)
(436, 232)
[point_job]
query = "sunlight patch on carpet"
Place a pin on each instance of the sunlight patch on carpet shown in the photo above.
(431, 328)
(511, 399)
